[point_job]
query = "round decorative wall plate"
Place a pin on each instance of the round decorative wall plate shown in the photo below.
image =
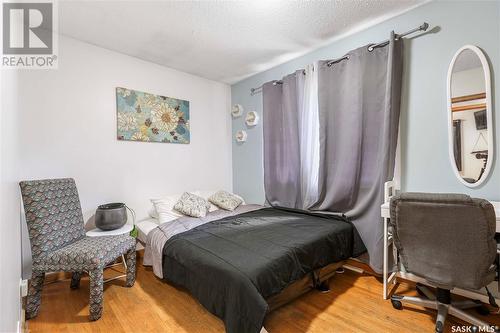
(241, 136)
(236, 110)
(252, 118)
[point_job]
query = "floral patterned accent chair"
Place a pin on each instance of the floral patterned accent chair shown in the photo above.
(58, 242)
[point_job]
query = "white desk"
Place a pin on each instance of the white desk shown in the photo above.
(392, 277)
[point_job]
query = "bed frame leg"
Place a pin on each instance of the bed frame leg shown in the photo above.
(323, 287)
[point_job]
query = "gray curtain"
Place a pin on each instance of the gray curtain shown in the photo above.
(359, 102)
(281, 140)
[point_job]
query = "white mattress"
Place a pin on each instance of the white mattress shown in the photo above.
(145, 226)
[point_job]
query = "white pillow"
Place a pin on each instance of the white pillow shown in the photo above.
(165, 208)
(152, 212)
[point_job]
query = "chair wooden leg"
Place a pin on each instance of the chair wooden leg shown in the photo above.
(34, 298)
(96, 291)
(75, 280)
(131, 261)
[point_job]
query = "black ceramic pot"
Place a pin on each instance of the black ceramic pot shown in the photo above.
(111, 216)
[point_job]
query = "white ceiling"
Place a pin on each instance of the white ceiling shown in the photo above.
(467, 59)
(220, 40)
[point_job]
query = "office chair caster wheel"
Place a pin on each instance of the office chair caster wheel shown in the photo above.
(397, 304)
(483, 310)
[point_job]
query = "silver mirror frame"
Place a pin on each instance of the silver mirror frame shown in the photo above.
(489, 115)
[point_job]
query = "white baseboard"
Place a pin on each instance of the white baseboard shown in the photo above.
(23, 292)
(354, 269)
(23, 286)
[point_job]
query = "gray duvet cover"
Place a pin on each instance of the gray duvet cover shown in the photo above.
(156, 239)
(233, 264)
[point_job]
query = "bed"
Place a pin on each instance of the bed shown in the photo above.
(242, 264)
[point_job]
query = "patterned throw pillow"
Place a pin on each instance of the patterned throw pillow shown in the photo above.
(192, 205)
(225, 200)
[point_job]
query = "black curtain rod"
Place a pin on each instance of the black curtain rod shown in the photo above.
(423, 27)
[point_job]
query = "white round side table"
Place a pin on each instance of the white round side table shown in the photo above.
(127, 228)
(120, 231)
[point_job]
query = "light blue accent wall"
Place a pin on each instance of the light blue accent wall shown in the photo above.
(424, 137)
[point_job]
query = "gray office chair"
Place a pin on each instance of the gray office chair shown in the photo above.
(447, 239)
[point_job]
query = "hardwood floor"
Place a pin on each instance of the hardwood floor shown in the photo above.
(354, 304)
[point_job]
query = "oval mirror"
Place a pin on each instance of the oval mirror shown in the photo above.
(470, 129)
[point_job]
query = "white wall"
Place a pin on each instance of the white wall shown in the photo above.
(468, 82)
(66, 127)
(10, 249)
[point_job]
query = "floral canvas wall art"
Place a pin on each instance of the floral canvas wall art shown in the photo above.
(151, 118)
